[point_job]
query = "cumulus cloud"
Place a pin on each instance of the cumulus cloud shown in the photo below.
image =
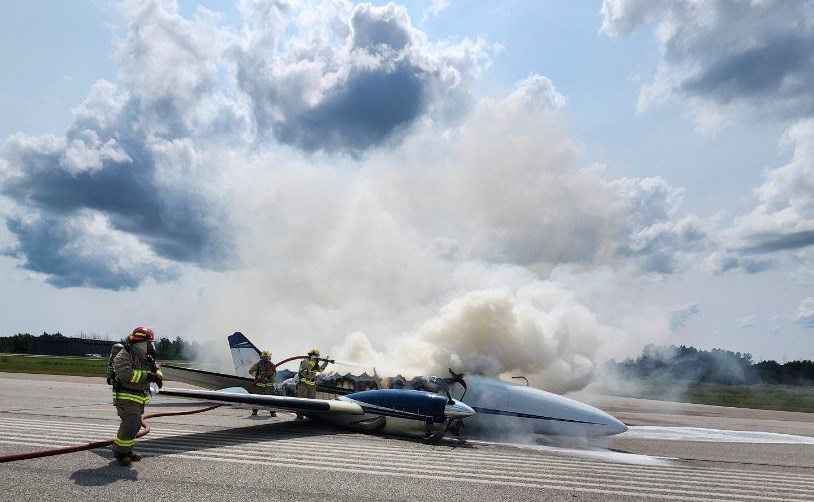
(723, 261)
(130, 164)
(435, 8)
(805, 313)
(358, 83)
(117, 176)
(85, 249)
(727, 56)
(656, 239)
(620, 17)
(783, 219)
(536, 93)
(680, 314)
(157, 154)
(746, 321)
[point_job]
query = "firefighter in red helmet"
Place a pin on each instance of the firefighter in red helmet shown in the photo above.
(135, 368)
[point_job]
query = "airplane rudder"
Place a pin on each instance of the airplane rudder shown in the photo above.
(238, 340)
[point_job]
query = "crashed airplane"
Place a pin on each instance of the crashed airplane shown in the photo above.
(422, 407)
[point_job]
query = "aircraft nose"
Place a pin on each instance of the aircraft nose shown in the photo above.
(616, 427)
(458, 410)
(608, 425)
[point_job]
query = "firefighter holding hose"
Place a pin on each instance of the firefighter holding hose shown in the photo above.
(307, 376)
(135, 368)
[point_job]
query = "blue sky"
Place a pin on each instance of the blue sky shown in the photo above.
(527, 186)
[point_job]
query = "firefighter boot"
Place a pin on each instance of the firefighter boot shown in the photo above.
(124, 459)
(135, 457)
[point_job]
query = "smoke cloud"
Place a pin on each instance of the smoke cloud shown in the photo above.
(322, 175)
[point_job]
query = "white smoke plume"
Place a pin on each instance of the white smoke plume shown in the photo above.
(269, 194)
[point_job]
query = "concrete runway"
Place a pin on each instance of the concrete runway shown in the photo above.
(227, 455)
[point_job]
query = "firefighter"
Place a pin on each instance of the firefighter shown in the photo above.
(135, 368)
(263, 372)
(307, 385)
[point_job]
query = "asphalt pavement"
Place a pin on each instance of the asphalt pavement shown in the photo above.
(226, 454)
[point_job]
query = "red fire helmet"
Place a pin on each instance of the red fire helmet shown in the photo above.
(140, 334)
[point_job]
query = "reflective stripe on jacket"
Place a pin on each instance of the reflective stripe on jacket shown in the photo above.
(263, 372)
(308, 371)
(124, 395)
(131, 371)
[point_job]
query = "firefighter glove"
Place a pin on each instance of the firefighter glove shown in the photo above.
(156, 377)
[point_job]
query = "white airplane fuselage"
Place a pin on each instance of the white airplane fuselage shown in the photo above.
(504, 408)
(500, 407)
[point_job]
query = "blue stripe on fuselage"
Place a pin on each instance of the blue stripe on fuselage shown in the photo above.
(489, 411)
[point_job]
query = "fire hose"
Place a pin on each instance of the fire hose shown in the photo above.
(99, 444)
(302, 357)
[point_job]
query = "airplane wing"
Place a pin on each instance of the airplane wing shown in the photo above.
(205, 379)
(240, 398)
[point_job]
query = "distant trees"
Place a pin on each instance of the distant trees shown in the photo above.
(792, 373)
(17, 344)
(177, 349)
(22, 343)
(688, 364)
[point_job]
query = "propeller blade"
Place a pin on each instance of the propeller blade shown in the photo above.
(459, 378)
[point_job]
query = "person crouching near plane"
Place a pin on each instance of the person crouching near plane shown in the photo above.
(264, 373)
(307, 382)
(135, 368)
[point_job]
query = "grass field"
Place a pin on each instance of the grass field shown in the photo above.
(50, 365)
(55, 365)
(765, 397)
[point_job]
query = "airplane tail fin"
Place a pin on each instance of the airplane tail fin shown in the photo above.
(244, 353)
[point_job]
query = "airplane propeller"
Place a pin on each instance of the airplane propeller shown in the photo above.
(453, 425)
(444, 383)
(459, 378)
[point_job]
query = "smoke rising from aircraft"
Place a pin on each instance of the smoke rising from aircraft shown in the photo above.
(448, 232)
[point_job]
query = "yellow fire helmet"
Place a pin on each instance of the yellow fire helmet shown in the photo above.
(313, 352)
(265, 353)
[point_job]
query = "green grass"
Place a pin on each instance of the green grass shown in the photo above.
(53, 365)
(60, 365)
(765, 397)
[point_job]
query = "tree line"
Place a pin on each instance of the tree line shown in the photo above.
(663, 364)
(669, 363)
(22, 343)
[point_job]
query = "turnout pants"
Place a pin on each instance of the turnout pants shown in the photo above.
(263, 388)
(307, 391)
(130, 413)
